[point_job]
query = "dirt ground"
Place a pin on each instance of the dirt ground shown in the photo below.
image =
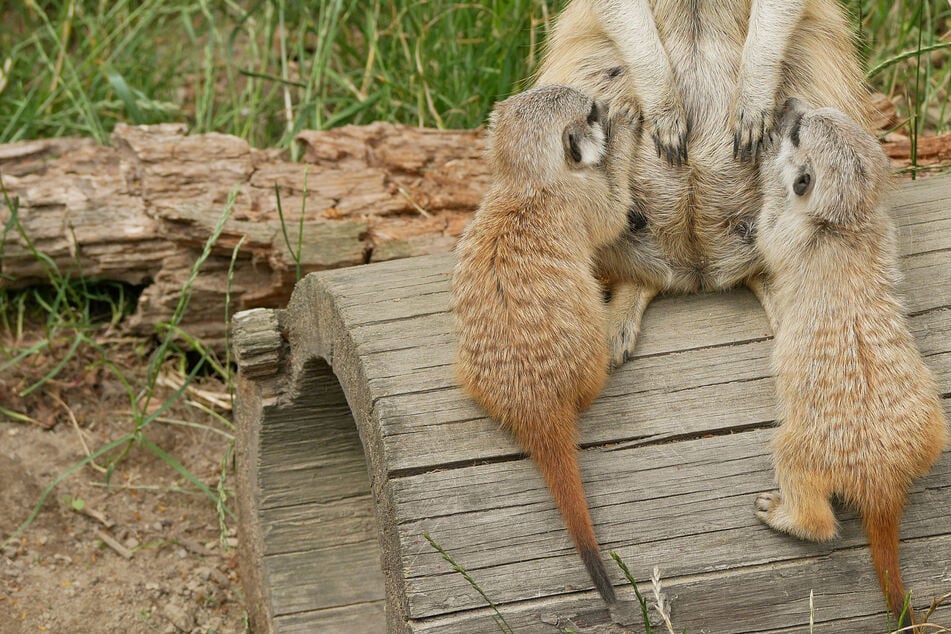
(146, 552)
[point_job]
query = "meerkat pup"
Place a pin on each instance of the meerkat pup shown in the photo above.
(860, 412)
(705, 76)
(528, 309)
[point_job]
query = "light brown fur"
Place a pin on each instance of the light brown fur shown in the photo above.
(861, 413)
(702, 74)
(531, 323)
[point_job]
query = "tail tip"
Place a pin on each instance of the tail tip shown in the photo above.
(599, 575)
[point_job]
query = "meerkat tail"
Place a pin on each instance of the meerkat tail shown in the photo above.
(881, 528)
(555, 453)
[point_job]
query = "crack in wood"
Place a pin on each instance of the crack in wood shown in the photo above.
(666, 439)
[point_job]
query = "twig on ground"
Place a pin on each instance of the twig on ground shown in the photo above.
(935, 602)
(79, 432)
(99, 516)
(174, 382)
(111, 542)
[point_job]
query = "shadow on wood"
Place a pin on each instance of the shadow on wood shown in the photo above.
(354, 440)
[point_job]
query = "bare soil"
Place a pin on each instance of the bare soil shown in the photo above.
(143, 551)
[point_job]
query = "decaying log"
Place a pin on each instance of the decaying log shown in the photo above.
(140, 211)
(930, 150)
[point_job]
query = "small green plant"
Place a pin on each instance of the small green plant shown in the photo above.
(295, 250)
(500, 621)
(648, 628)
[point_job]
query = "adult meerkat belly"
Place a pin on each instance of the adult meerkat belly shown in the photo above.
(701, 215)
(692, 225)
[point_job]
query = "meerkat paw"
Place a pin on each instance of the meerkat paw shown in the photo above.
(764, 504)
(668, 126)
(813, 523)
(621, 344)
(752, 128)
(625, 107)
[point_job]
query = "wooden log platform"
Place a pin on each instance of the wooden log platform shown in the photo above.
(355, 443)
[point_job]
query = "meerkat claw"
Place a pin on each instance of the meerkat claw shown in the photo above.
(751, 135)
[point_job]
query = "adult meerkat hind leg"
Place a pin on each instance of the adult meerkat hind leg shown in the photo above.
(625, 311)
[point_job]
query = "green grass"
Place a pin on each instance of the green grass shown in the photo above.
(260, 70)
(263, 70)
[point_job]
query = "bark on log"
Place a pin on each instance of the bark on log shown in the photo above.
(140, 211)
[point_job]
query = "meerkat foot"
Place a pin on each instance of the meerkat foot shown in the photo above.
(625, 310)
(761, 288)
(621, 342)
(764, 503)
(814, 523)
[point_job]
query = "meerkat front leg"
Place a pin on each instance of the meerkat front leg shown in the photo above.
(771, 25)
(630, 25)
(625, 310)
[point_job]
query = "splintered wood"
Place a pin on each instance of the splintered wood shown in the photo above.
(354, 442)
(141, 211)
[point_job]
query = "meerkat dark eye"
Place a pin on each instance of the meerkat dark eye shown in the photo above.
(574, 148)
(802, 184)
(594, 114)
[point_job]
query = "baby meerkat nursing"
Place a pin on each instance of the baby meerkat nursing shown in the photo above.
(706, 78)
(860, 412)
(528, 309)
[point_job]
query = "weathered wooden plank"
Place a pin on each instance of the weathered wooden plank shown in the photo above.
(767, 598)
(319, 460)
(312, 523)
(684, 506)
(669, 477)
(326, 578)
(424, 418)
(364, 618)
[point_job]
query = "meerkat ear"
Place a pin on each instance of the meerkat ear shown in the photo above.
(584, 143)
(595, 113)
(573, 145)
(803, 183)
